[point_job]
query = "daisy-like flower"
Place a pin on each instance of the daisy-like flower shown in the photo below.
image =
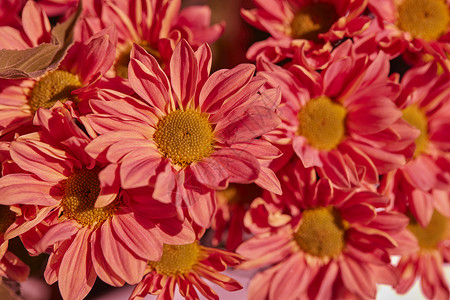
(425, 251)
(58, 211)
(326, 243)
(185, 265)
(192, 134)
(413, 25)
(305, 26)
(343, 120)
(155, 25)
(74, 80)
(425, 104)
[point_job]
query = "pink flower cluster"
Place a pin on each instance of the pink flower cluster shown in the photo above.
(132, 159)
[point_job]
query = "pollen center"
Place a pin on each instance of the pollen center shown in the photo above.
(239, 194)
(321, 232)
(322, 123)
(430, 236)
(177, 259)
(123, 59)
(81, 190)
(184, 137)
(53, 86)
(312, 20)
(426, 19)
(7, 217)
(417, 118)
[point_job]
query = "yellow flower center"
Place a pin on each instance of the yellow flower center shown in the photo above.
(184, 137)
(322, 123)
(312, 20)
(426, 19)
(81, 190)
(177, 259)
(417, 118)
(430, 236)
(321, 232)
(7, 217)
(53, 86)
(240, 194)
(123, 59)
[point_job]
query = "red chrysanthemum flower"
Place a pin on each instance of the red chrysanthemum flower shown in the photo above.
(324, 244)
(424, 251)
(305, 26)
(185, 265)
(343, 120)
(74, 80)
(417, 26)
(157, 26)
(60, 212)
(192, 134)
(425, 103)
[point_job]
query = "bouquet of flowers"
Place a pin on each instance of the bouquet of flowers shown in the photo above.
(310, 143)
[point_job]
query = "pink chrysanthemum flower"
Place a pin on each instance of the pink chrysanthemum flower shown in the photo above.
(155, 25)
(192, 134)
(424, 251)
(412, 25)
(185, 265)
(343, 120)
(305, 26)
(74, 80)
(326, 243)
(425, 103)
(59, 210)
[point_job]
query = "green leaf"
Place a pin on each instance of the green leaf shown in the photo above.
(34, 62)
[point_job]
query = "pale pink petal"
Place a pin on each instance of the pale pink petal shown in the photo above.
(222, 85)
(139, 234)
(184, 73)
(77, 275)
(246, 123)
(148, 79)
(124, 263)
(59, 232)
(38, 192)
(35, 23)
(357, 278)
(268, 180)
(138, 167)
(421, 206)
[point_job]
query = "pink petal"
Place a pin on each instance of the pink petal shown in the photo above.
(148, 79)
(184, 72)
(120, 258)
(138, 167)
(35, 23)
(57, 233)
(222, 85)
(268, 180)
(77, 274)
(38, 192)
(246, 123)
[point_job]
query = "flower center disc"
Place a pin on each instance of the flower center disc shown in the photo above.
(54, 86)
(81, 190)
(123, 59)
(426, 19)
(312, 20)
(322, 123)
(7, 217)
(177, 259)
(430, 236)
(417, 118)
(184, 137)
(321, 232)
(239, 194)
